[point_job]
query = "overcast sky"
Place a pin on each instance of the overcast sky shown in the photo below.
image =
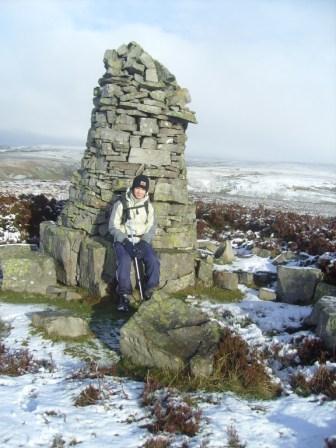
(261, 73)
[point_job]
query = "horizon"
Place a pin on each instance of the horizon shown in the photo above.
(188, 157)
(261, 74)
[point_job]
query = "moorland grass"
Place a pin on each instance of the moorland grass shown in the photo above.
(236, 368)
(214, 294)
(78, 307)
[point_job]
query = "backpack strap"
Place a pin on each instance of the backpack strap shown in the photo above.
(127, 210)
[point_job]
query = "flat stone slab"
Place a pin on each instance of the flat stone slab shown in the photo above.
(31, 272)
(60, 324)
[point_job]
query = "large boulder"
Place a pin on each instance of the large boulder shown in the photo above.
(323, 317)
(168, 333)
(296, 285)
(23, 269)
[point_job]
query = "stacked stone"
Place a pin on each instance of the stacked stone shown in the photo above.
(139, 121)
(138, 126)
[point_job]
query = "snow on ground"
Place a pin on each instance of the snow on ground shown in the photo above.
(36, 408)
(58, 190)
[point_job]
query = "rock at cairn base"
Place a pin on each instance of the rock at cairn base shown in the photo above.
(138, 126)
(170, 334)
(23, 269)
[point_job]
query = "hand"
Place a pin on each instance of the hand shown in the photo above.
(129, 247)
(140, 248)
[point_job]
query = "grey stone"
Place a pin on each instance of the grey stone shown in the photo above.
(151, 75)
(183, 115)
(168, 333)
(204, 268)
(32, 272)
(175, 264)
(63, 245)
(119, 139)
(110, 90)
(149, 126)
(226, 280)
(175, 191)
(297, 285)
(284, 257)
(149, 156)
(323, 289)
(267, 294)
(147, 60)
(228, 255)
(323, 317)
(246, 278)
(94, 271)
(149, 143)
(125, 123)
(60, 324)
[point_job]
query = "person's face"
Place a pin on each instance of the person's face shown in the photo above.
(139, 192)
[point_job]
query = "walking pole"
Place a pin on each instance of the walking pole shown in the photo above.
(137, 272)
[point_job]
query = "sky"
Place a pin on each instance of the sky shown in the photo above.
(261, 73)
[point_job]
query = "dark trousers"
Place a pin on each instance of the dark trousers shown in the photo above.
(124, 262)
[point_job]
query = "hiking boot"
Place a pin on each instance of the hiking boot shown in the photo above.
(148, 294)
(123, 303)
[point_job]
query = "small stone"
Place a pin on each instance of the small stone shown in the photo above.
(151, 75)
(267, 294)
(226, 280)
(149, 126)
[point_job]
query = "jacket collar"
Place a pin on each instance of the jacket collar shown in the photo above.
(132, 200)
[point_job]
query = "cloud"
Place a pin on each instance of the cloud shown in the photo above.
(262, 83)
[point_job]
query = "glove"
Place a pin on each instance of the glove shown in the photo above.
(129, 247)
(140, 248)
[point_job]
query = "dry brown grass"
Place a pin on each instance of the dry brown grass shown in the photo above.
(19, 362)
(92, 371)
(312, 234)
(233, 438)
(171, 414)
(89, 396)
(311, 350)
(29, 211)
(175, 417)
(241, 369)
(157, 442)
(322, 382)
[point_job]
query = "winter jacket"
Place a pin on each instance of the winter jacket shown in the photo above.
(142, 224)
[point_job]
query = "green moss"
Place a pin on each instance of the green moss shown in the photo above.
(55, 338)
(81, 308)
(213, 294)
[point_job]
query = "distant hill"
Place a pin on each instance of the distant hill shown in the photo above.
(43, 162)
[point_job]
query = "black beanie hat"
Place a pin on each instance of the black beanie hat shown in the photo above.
(141, 181)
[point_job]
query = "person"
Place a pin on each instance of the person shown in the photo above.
(132, 226)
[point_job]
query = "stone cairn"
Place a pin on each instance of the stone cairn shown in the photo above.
(138, 126)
